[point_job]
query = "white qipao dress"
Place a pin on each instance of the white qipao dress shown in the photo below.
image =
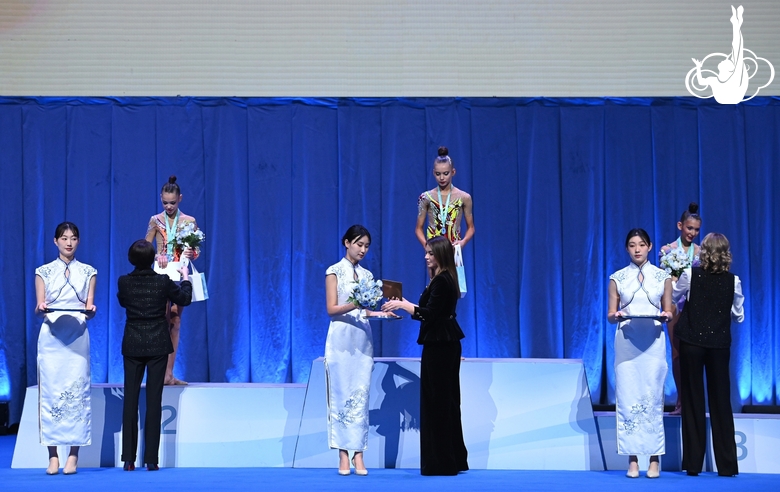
(640, 361)
(349, 360)
(64, 408)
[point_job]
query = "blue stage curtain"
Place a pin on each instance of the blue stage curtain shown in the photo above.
(274, 183)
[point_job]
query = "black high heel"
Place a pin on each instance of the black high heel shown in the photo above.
(129, 466)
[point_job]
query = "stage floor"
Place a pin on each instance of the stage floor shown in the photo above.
(379, 480)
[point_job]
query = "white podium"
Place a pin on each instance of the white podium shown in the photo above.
(530, 414)
(203, 425)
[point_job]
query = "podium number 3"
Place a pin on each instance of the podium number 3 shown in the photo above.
(742, 450)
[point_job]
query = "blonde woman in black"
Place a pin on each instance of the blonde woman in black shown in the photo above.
(714, 300)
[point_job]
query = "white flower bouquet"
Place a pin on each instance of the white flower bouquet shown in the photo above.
(675, 262)
(187, 236)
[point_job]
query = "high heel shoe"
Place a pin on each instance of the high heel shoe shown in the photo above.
(54, 471)
(129, 466)
(152, 467)
(71, 471)
(342, 471)
(362, 472)
(654, 472)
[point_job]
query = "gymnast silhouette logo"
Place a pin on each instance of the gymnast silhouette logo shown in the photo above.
(730, 84)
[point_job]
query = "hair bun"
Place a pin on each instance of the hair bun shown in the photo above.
(693, 208)
(172, 179)
(443, 152)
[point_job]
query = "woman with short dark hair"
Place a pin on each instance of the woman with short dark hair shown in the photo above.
(145, 347)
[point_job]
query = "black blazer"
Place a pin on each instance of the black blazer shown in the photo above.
(145, 294)
(706, 317)
(436, 311)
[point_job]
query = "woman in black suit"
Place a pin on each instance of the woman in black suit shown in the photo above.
(146, 344)
(442, 450)
(713, 300)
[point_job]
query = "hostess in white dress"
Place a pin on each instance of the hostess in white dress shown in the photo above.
(64, 409)
(349, 360)
(640, 361)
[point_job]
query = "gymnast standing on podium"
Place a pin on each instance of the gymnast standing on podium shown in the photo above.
(146, 344)
(444, 206)
(162, 229)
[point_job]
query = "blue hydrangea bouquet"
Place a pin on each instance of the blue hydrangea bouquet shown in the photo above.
(366, 293)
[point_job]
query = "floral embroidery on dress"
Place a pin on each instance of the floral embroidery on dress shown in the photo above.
(646, 415)
(619, 276)
(661, 275)
(44, 272)
(87, 270)
(353, 408)
(73, 406)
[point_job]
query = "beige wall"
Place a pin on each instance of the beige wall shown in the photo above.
(369, 47)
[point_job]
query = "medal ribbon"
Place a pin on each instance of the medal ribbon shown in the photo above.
(443, 210)
(170, 233)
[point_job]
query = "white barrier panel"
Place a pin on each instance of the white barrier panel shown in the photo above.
(517, 414)
(757, 437)
(203, 425)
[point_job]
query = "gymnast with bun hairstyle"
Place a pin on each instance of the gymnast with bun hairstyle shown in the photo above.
(444, 206)
(689, 227)
(162, 227)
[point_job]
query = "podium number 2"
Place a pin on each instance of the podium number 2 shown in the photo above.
(170, 419)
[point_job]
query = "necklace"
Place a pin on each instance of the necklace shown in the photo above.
(170, 232)
(690, 248)
(443, 209)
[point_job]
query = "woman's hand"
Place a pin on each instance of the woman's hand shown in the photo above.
(90, 311)
(184, 270)
(666, 316)
(616, 317)
(396, 304)
(162, 261)
(40, 309)
(188, 252)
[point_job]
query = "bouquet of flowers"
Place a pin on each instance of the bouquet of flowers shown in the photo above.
(675, 262)
(366, 293)
(187, 236)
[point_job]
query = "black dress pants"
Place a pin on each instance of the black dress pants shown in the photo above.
(442, 450)
(694, 360)
(155, 379)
